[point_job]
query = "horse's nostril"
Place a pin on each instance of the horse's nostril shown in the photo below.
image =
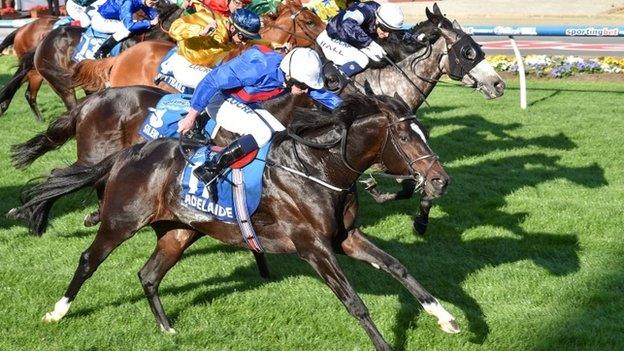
(439, 183)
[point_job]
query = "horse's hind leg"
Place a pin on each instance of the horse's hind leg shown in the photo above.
(169, 248)
(325, 263)
(358, 247)
(106, 240)
(34, 83)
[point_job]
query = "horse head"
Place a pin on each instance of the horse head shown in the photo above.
(463, 59)
(294, 24)
(406, 150)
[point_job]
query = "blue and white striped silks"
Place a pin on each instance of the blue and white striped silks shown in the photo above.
(90, 41)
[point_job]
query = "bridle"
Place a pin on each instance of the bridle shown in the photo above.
(390, 135)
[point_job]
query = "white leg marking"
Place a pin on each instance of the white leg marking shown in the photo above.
(60, 310)
(445, 319)
(170, 331)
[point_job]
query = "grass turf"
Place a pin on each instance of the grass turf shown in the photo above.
(525, 249)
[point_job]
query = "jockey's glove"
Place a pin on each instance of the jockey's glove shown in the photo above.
(374, 51)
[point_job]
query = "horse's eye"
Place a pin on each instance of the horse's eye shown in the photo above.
(310, 23)
(403, 137)
(469, 53)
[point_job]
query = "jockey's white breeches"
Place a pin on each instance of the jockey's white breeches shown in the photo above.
(82, 13)
(104, 25)
(340, 52)
(239, 118)
(185, 72)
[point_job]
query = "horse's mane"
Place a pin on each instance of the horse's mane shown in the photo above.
(354, 107)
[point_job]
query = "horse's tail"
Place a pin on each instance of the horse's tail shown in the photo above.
(92, 75)
(58, 133)
(8, 40)
(38, 199)
(26, 63)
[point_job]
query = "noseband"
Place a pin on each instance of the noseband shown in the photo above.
(292, 35)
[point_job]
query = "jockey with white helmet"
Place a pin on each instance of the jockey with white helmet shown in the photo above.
(232, 92)
(349, 40)
(116, 17)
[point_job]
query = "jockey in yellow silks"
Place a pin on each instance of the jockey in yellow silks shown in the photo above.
(205, 39)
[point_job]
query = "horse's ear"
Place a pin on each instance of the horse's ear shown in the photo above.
(430, 16)
(400, 98)
(367, 88)
(436, 9)
(456, 25)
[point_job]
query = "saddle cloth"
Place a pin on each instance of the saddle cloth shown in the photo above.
(90, 41)
(165, 74)
(196, 195)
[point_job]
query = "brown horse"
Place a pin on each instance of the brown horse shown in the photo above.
(25, 40)
(53, 55)
(294, 24)
(379, 130)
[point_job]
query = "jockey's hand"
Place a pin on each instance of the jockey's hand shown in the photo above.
(374, 51)
(154, 21)
(185, 4)
(187, 122)
(210, 28)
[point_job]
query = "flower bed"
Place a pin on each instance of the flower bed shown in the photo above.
(558, 66)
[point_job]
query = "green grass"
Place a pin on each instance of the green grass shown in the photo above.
(525, 249)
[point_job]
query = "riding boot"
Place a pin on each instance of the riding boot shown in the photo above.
(213, 167)
(105, 48)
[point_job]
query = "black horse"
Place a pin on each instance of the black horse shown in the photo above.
(295, 215)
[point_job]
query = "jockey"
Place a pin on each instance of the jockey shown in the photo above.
(349, 40)
(116, 17)
(82, 10)
(231, 93)
(204, 40)
(222, 7)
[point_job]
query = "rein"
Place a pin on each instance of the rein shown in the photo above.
(342, 141)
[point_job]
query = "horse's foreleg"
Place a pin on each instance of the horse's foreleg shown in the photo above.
(324, 262)
(105, 242)
(169, 248)
(358, 247)
(34, 83)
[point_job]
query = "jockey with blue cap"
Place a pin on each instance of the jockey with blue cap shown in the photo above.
(349, 40)
(232, 92)
(116, 17)
(205, 39)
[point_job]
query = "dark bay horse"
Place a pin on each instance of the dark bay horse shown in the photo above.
(53, 56)
(294, 24)
(374, 130)
(25, 40)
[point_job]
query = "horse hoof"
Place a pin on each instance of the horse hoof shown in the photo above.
(13, 214)
(91, 219)
(169, 331)
(450, 327)
(420, 228)
(51, 317)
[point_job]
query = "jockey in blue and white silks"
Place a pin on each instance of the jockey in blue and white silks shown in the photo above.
(82, 10)
(349, 40)
(116, 17)
(233, 91)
